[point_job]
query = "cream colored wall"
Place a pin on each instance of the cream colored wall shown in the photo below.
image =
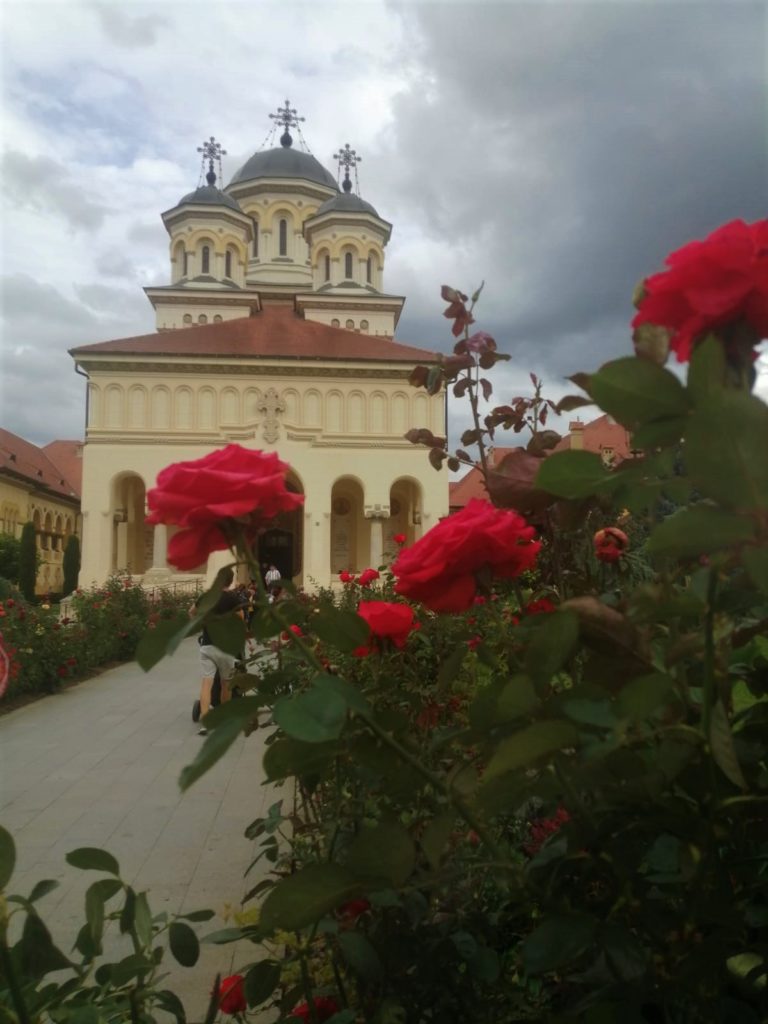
(170, 316)
(268, 208)
(382, 324)
(332, 427)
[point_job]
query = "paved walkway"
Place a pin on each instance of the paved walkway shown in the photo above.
(98, 765)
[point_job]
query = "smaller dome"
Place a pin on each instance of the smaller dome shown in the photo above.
(211, 196)
(346, 202)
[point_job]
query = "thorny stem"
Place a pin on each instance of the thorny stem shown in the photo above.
(458, 802)
(709, 655)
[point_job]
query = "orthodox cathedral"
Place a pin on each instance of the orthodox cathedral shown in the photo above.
(275, 332)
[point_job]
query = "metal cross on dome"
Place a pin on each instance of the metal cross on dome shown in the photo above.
(211, 150)
(287, 117)
(347, 158)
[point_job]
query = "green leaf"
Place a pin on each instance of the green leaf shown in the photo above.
(659, 433)
(557, 941)
(171, 1003)
(706, 370)
(344, 689)
(699, 530)
(91, 858)
(198, 915)
(382, 852)
(517, 699)
(42, 888)
(315, 716)
(721, 744)
(94, 914)
(573, 474)
(551, 645)
(38, 955)
(625, 954)
(588, 711)
(526, 747)
(261, 981)
(7, 857)
(451, 667)
(485, 965)
(435, 836)
(305, 897)
(643, 695)
(130, 967)
(216, 744)
(142, 920)
(128, 913)
(725, 450)
(756, 563)
(287, 756)
(164, 639)
(184, 944)
(635, 391)
(228, 633)
(341, 629)
(361, 955)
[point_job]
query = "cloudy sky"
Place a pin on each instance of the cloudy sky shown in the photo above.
(557, 151)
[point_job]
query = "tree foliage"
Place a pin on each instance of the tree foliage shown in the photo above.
(28, 561)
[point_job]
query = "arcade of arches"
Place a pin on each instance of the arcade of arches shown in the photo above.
(357, 535)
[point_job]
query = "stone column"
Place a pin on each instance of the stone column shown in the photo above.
(121, 554)
(377, 514)
(160, 546)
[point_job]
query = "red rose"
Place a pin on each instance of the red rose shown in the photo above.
(712, 284)
(399, 538)
(474, 642)
(349, 912)
(325, 1008)
(387, 621)
(5, 667)
(229, 483)
(347, 577)
(439, 569)
(610, 544)
(541, 829)
(10, 603)
(540, 607)
(232, 994)
(62, 672)
(367, 576)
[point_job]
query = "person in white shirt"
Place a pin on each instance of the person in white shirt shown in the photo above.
(272, 576)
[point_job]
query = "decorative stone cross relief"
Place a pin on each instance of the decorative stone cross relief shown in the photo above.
(271, 404)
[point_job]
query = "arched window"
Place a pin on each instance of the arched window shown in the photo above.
(202, 319)
(369, 270)
(348, 266)
(206, 267)
(217, 318)
(364, 325)
(283, 237)
(187, 318)
(228, 264)
(335, 323)
(255, 238)
(186, 263)
(327, 267)
(350, 325)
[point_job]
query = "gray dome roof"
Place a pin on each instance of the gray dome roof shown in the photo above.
(212, 196)
(346, 203)
(284, 162)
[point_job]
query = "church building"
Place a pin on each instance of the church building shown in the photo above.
(276, 332)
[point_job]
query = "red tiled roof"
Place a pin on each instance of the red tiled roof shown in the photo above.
(68, 457)
(275, 332)
(599, 434)
(471, 484)
(23, 459)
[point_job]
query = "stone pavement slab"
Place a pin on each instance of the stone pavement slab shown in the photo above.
(98, 765)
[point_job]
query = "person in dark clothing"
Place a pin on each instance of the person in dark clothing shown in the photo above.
(212, 659)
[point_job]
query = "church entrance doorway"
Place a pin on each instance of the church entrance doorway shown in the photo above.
(276, 547)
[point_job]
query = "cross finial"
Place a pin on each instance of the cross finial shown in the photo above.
(211, 150)
(347, 158)
(288, 118)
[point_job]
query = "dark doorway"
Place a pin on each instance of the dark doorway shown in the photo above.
(276, 548)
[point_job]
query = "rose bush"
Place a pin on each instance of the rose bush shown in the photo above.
(208, 496)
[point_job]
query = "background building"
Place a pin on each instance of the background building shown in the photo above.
(41, 486)
(275, 332)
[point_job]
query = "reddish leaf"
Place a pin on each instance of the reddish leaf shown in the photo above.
(534, 379)
(544, 441)
(487, 388)
(436, 457)
(571, 402)
(460, 387)
(510, 483)
(453, 463)
(471, 436)
(543, 415)
(451, 295)
(418, 377)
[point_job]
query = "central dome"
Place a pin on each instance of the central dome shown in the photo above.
(284, 162)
